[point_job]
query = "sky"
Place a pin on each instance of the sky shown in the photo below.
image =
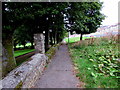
(110, 9)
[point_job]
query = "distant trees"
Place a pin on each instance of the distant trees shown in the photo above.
(23, 20)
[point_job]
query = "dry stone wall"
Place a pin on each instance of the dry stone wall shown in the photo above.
(39, 43)
(26, 75)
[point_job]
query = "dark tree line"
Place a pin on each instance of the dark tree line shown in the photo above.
(22, 20)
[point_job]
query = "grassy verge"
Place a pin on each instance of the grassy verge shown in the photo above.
(21, 52)
(96, 62)
(75, 39)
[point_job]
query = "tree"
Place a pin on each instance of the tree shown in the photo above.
(9, 25)
(21, 35)
(44, 17)
(85, 17)
(22, 19)
(13, 15)
(27, 18)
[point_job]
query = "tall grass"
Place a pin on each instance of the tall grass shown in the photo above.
(97, 61)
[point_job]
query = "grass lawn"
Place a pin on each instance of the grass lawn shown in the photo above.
(21, 52)
(75, 39)
(97, 63)
(28, 44)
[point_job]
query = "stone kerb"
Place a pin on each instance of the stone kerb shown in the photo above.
(25, 75)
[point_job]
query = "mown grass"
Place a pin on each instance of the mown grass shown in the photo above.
(75, 39)
(21, 46)
(97, 63)
(21, 52)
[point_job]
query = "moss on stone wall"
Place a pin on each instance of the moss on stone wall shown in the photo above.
(19, 85)
(52, 51)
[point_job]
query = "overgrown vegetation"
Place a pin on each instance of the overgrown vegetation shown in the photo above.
(97, 62)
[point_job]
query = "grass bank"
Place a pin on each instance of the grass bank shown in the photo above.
(96, 62)
(75, 39)
(21, 52)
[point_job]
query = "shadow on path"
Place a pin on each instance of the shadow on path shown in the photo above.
(59, 72)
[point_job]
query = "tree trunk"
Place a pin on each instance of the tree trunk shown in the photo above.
(8, 58)
(58, 38)
(32, 46)
(46, 40)
(15, 47)
(54, 37)
(15, 44)
(71, 32)
(68, 37)
(51, 40)
(24, 45)
(81, 36)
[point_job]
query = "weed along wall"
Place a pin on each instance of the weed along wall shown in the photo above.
(26, 74)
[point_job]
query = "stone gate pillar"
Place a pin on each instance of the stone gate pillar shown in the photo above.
(39, 43)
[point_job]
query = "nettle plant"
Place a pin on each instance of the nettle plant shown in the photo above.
(106, 64)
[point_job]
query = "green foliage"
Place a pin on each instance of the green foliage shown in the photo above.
(20, 35)
(19, 85)
(38, 17)
(85, 17)
(98, 64)
(27, 18)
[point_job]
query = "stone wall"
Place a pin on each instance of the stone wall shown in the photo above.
(52, 51)
(39, 43)
(26, 74)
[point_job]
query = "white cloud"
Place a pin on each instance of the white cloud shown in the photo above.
(110, 9)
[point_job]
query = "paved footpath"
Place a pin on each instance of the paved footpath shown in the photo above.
(59, 73)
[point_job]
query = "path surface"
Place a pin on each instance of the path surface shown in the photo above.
(59, 72)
